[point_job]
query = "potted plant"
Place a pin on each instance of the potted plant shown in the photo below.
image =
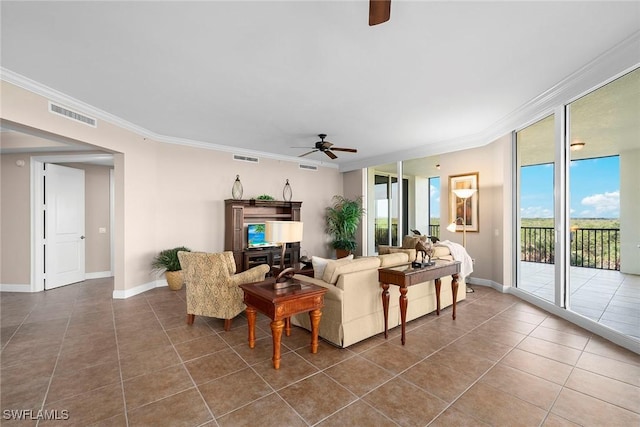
(167, 262)
(342, 220)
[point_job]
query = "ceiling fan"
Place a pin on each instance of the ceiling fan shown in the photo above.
(379, 11)
(326, 147)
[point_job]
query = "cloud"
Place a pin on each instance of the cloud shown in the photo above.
(536, 212)
(601, 205)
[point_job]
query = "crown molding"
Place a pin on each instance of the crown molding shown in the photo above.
(75, 104)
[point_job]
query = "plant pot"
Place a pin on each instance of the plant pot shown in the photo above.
(174, 279)
(342, 253)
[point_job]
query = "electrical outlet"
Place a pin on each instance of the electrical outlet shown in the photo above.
(102, 230)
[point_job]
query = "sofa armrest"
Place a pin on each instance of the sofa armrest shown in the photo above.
(333, 292)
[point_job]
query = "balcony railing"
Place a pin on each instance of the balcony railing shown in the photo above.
(590, 247)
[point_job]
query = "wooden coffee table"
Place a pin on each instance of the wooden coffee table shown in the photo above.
(279, 305)
(405, 276)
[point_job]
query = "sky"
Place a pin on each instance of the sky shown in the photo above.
(594, 189)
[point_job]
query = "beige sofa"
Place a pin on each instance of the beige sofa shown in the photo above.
(352, 308)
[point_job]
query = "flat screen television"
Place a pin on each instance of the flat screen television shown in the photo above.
(255, 236)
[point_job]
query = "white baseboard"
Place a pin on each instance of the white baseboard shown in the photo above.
(489, 283)
(98, 275)
(128, 293)
(6, 287)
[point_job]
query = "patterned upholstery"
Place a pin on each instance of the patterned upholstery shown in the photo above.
(212, 285)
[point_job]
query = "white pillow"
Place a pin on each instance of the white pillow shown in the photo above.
(319, 264)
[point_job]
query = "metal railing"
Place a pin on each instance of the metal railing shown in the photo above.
(590, 247)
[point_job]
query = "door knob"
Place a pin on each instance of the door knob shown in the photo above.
(82, 237)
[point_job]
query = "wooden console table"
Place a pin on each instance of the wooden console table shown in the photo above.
(280, 305)
(405, 276)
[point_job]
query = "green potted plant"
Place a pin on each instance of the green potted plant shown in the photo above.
(167, 262)
(342, 220)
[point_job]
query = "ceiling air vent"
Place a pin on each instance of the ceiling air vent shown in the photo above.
(73, 115)
(243, 158)
(308, 167)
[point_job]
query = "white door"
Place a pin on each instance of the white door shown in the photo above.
(64, 226)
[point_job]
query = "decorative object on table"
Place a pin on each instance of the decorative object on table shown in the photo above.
(167, 262)
(213, 287)
(342, 220)
(463, 202)
(424, 247)
(264, 197)
(236, 190)
(465, 190)
(416, 232)
(287, 193)
(283, 232)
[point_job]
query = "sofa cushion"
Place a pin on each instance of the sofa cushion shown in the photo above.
(319, 264)
(393, 259)
(337, 267)
(440, 251)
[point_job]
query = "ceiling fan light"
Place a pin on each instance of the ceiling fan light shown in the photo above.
(576, 146)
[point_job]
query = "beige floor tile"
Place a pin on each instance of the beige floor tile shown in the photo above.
(540, 366)
(270, 411)
(357, 414)
(586, 410)
(498, 408)
(527, 387)
(612, 391)
(550, 350)
(233, 391)
(183, 409)
(405, 403)
(358, 375)
(615, 369)
(316, 397)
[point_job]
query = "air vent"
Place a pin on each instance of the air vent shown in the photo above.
(308, 167)
(243, 158)
(73, 115)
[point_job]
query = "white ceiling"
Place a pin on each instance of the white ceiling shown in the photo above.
(270, 75)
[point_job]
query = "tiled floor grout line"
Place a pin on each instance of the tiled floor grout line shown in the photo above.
(115, 333)
(183, 364)
(55, 365)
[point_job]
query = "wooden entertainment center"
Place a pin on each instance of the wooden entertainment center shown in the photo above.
(239, 213)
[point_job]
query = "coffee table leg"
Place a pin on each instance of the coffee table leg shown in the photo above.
(404, 302)
(287, 326)
(385, 306)
(276, 331)
(438, 284)
(314, 316)
(251, 320)
(454, 292)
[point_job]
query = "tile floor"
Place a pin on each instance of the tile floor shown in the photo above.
(608, 297)
(99, 361)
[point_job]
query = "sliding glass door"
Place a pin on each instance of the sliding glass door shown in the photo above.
(535, 158)
(578, 198)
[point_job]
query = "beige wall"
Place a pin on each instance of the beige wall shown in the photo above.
(15, 220)
(165, 194)
(629, 212)
(486, 245)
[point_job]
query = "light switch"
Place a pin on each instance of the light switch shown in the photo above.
(102, 230)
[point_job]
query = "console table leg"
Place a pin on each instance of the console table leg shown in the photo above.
(438, 283)
(287, 326)
(404, 302)
(314, 316)
(276, 331)
(251, 320)
(454, 292)
(385, 306)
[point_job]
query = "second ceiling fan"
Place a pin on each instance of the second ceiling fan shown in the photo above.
(326, 147)
(379, 11)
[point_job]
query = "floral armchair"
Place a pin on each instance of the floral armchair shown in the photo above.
(212, 285)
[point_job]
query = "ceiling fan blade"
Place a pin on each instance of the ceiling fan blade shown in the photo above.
(330, 154)
(326, 145)
(379, 11)
(348, 150)
(306, 154)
